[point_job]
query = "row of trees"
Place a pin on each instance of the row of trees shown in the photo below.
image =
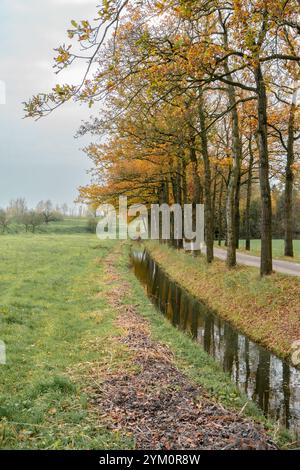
(18, 213)
(201, 107)
(250, 220)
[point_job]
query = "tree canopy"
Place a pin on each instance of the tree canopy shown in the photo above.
(198, 104)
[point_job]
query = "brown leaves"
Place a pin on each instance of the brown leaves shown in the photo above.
(155, 402)
(162, 408)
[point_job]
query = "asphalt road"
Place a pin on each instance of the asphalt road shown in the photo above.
(284, 267)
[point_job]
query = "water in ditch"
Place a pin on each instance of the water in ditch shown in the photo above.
(269, 381)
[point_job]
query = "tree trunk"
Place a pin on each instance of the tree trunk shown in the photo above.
(163, 198)
(232, 191)
(248, 201)
(237, 211)
(236, 147)
(289, 181)
(266, 265)
(214, 200)
(185, 197)
(184, 184)
(220, 212)
(176, 183)
(198, 189)
(207, 182)
(179, 198)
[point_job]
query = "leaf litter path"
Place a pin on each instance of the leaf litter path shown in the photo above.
(157, 403)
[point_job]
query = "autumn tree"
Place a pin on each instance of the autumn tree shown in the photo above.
(205, 58)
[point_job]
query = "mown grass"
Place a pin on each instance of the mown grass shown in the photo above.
(278, 249)
(58, 326)
(69, 225)
(267, 309)
(53, 317)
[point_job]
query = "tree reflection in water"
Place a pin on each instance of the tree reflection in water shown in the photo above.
(269, 381)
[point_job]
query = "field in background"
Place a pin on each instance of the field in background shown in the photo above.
(57, 322)
(67, 226)
(81, 225)
(278, 248)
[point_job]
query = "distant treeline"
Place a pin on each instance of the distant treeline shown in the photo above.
(18, 215)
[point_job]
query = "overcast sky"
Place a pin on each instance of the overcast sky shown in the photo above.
(39, 160)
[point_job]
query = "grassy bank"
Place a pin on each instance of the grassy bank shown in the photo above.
(267, 310)
(59, 327)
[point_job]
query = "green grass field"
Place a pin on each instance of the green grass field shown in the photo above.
(278, 249)
(57, 323)
(50, 312)
(67, 226)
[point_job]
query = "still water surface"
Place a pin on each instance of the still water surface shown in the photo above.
(266, 379)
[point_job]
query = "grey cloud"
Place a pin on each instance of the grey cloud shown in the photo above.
(41, 159)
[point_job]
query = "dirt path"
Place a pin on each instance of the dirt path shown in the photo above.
(284, 267)
(157, 403)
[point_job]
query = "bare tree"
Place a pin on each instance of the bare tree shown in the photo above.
(34, 219)
(5, 220)
(65, 209)
(45, 209)
(17, 207)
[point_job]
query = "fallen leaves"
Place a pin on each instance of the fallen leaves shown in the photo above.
(158, 404)
(163, 409)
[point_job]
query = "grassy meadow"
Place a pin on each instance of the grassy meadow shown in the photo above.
(278, 249)
(53, 318)
(59, 328)
(67, 226)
